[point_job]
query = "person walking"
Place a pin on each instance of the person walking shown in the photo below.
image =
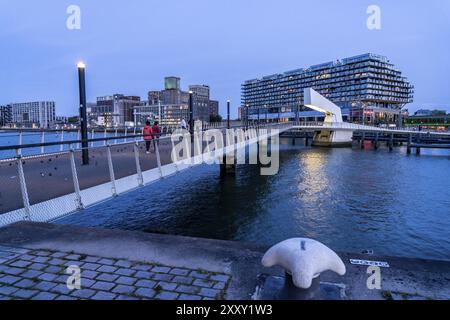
(148, 136)
(156, 133)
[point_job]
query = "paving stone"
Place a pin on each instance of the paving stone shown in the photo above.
(143, 275)
(42, 253)
(83, 293)
(123, 289)
(87, 283)
(161, 269)
(165, 295)
(199, 275)
(4, 298)
(167, 286)
(126, 280)
(108, 269)
(31, 274)
(53, 269)
(38, 266)
(125, 272)
(56, 262)
(25, 284)
(219, 286)
(45, 285)
(45, 296)
(107, 277)
(13, 271)
(74, 257)
(66, 298)
(48, 276)
(104, 286)
(210, 293)
(162, 277)
(145, 293)
(62, 279)
(142, 267)
(187, 297)
(89, 274)
(9, 279)
(91, 259)
(126, 298)
(146, 283)
(58, 255)
(187, 289)
(27, 257)
(41, 259)
(179, 272)
(183, 280)
(25, 294)
(104, 296)
(123, 264)
(72, 263)
(220, 278)
(105, 261)
(61, 289)
(8, 290)
(91, 266)
(203, 283)
(20, 264)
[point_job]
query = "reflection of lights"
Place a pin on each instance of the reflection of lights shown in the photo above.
(314, 178)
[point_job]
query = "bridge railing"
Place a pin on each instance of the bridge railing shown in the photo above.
(43, 187)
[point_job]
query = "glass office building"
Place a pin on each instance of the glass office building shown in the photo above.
(367, 87)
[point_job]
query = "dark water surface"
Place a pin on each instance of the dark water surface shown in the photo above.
(349, 199)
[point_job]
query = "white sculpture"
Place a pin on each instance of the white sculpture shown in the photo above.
(304, 259)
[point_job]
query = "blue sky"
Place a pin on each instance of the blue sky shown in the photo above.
(129, 46)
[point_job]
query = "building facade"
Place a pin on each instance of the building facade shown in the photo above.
(367, 87)
(113, 111)
(5, 115)
(40, 114)
(171, 105)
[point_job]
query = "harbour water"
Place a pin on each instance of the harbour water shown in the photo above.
(350, 199)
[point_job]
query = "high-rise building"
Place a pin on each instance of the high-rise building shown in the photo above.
(34, 114)
(367, 87)
(5, 115)
(171, 105)
(114, 111)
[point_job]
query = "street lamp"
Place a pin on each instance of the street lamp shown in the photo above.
(191, 113)
(83, 111)
(228, 114)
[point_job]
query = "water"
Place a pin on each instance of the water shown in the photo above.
(349, 199)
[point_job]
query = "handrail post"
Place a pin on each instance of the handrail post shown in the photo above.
(105, 135)
(138, 165)
(111, 171)
(61, 148)
(42, 141)
(20, 142)
(76, 183)
(78, 138)
(126, 134)
(92, 137)
(23, 186)
(158, 157)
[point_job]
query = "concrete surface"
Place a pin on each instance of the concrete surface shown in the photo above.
(215, 269)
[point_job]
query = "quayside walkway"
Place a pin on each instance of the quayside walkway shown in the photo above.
(124, 265)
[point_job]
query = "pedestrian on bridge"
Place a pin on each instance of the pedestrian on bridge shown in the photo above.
(148, 136)
(156, 133)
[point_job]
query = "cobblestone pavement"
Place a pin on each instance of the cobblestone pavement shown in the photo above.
(43, 275)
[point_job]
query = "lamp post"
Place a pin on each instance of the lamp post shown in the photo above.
(83, 112)
(247, 109)
(228, 114)
(191, 113)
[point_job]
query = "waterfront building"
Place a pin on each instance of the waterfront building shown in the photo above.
(39, 114)
(5, 115)
(171, 105)
(439, 122)
(113, 111)
(368, 88)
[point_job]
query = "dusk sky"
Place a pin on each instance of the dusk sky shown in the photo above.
(130, 46)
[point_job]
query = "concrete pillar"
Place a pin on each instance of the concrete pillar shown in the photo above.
(408, 148)
(361, 144)
(376, 141)
(227, 169)
(391, 142)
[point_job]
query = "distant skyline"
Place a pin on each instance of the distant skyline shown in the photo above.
(129, 47)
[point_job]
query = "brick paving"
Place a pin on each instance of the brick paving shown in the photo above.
(43, 275)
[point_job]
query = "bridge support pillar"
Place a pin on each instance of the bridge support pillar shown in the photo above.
(376, 141)
(408, 148)
(227, 169)
(391, 142)
(418, 151)
(361, 143)
(306, 141)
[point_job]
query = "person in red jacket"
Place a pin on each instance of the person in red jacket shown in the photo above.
(148, 136)
(156, 132)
